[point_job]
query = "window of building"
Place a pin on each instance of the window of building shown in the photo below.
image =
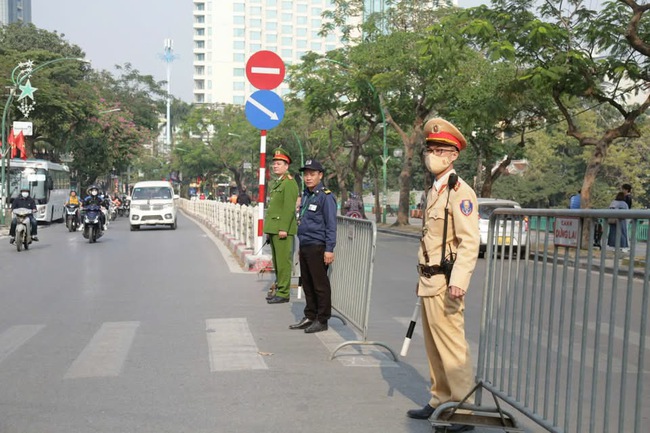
(238, 85)
(239, 7)
(237, 19)
(315, 24)
(199, 45)
(199, 6)
(271, 38)
(256, 1)
(256, 11)
(255, 47)
(316, 46)
(199, 70)
(271, 14)
(209, 84)
(286, 53)
(238, 57)
(199, 57)
(301, 43)
(316, 12)
(301, 20)
(302, 8)
(287, 40)
(330, 47)
(199, 19)
(301, 32)
(199, 98)
(199, 32)
(209, 70)
(238, 45)
(287, 29)
(287, 17)
(271, 26)
(199, 84)
(271, 3)
(287, 6)
(238, 100)
(238, 72)
(272, 48)
(255, 23)
(255, 35)
(238, 33)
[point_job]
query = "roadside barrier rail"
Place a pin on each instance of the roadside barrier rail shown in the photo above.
(351, 276)
(237, 221)
(564, 330)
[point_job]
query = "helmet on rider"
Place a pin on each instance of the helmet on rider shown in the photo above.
(24, 191)
(93, 190)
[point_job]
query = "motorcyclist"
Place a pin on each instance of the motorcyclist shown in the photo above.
(23, 201)
(73, 200)
(94, 198)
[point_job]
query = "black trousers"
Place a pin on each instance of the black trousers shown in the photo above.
(315, 283)
(32, 222)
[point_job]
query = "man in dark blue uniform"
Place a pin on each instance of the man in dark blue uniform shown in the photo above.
(26, 202)
(317, 235)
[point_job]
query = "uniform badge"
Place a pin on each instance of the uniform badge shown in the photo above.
(466, 207)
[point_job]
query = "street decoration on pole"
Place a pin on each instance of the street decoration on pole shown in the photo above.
(20, 83)
(264, 110)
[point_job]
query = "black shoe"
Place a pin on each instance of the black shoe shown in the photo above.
(455, 428)
(35, 238)
(316, 326)
(12, 241)
(277, 300)
(423, 413)
(304, 323)
(271, 293)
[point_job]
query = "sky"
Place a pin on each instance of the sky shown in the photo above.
(116, 32)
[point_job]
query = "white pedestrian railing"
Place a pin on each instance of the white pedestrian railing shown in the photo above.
(236, 221)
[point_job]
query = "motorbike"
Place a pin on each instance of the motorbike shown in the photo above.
(93, 228)
(124, 208)
(112, 212)
(23, 228)
(72, 217)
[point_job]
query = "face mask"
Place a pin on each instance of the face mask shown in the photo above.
(24, 194)
(436, 164)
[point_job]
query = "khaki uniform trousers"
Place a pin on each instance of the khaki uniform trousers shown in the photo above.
(450, 364)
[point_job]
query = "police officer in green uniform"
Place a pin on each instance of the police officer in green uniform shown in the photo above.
(280, 224)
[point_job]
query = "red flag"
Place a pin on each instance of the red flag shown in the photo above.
(20, 145)
(11, 142)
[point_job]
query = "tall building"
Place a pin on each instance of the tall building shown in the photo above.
(12, 11)
(228, 32)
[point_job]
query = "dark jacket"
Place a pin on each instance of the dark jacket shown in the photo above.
(318, 218)
(243, 198)
(21, 202)
(96, 200)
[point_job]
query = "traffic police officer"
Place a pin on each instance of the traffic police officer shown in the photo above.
(446, 263)
(317, 235)
(280, 224)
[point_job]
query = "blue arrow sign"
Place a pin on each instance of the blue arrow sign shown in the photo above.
(264, 109)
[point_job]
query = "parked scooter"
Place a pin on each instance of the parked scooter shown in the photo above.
(72, 217)
(93, 229)
(23, 228)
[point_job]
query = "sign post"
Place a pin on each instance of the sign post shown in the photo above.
(264, 110)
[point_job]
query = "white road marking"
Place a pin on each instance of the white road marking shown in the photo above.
(231, 346)
(16, 336)
(106, 352)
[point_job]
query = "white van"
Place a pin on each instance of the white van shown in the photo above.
(152, 203)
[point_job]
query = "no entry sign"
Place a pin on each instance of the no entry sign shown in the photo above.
(265, 70)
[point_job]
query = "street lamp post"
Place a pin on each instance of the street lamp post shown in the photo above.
(302, 159)
(385, 157)
(19, 81)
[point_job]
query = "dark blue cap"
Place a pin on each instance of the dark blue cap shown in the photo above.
(312, 164)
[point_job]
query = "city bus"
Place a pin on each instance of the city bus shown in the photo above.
(48, 183)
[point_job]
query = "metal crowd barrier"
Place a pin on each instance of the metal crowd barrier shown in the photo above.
(351, 276)
(564, 331)
(237, 221)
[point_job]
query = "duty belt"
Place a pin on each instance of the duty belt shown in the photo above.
(429, 271)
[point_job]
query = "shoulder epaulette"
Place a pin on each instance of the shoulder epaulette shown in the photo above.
(288, 176)
(327, 191)
(457, 186)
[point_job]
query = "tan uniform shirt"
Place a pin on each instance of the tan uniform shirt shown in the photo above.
(463, 236)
